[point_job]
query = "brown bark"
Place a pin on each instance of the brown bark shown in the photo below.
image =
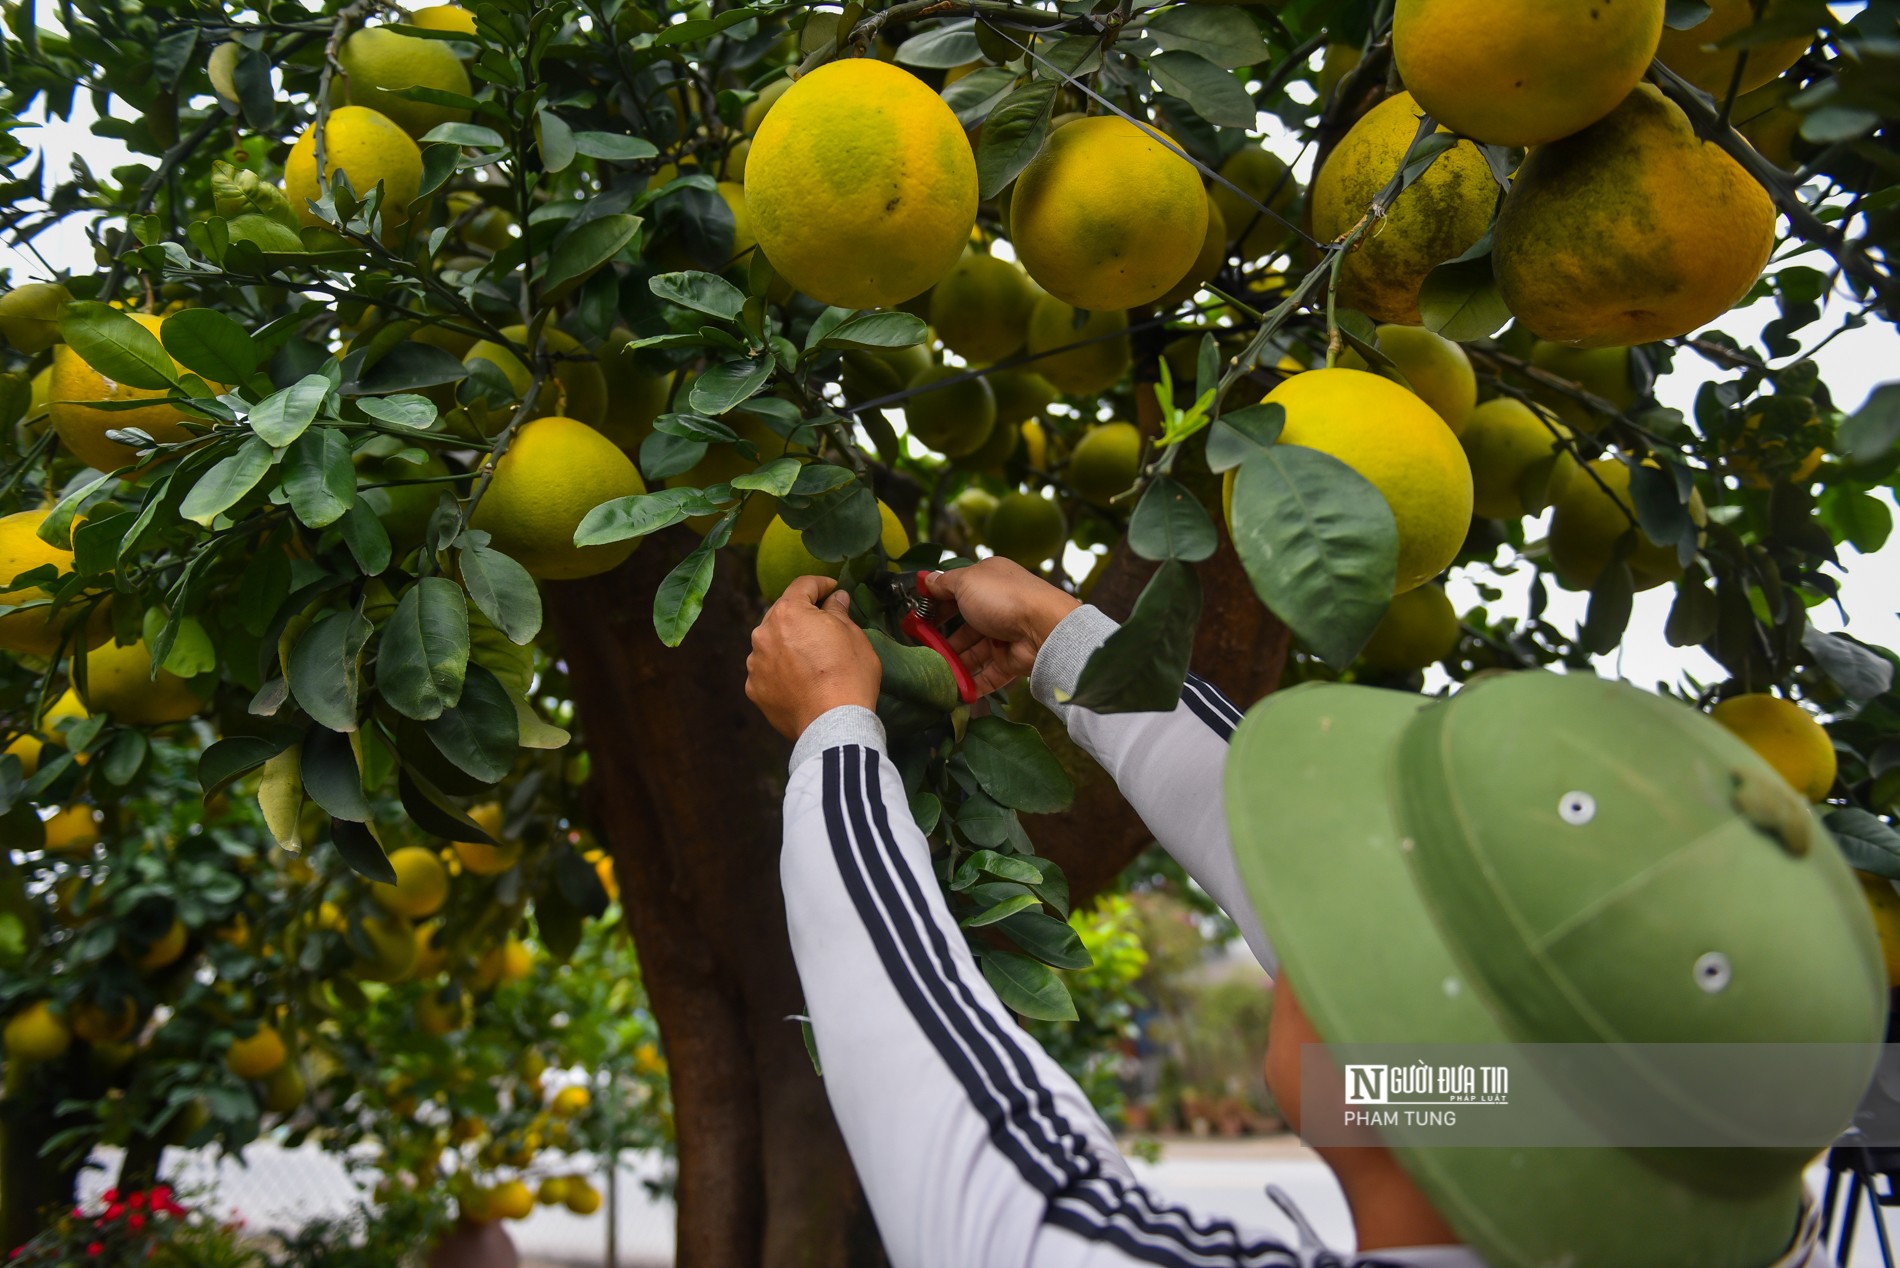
(686, 784)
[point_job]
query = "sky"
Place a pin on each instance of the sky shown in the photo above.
(1852, 366)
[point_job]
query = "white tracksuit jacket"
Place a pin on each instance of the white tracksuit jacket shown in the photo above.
(975, 1149)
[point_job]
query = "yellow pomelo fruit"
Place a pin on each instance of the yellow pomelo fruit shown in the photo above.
(258, 1055)
(1752, 457)
(482, 859)
(974, 506)
(552, 1191)
(1692, 53)
(981, 307)
(635, 395)
(576, 389)
(1436, 219)
(37, 1033)
(29, 316)
(39, 401)
(511, 1200)
(284, 1089)
(871, 373)
(1436, 369)
(98, 1025)
(71, 830)
(1020, 396)
(571, 1100)
(1605, 372)
(1883, 903)
(366, 146)
(1027, 528)
(119, 683)
(783, 557)
(1787, 737)
(1206, 264)
(1104, 462)
(1268, 183)
(34, 631)
(403, 508)
(1107, 217)
(438, 1017)
(82, 429)
(490, 228)
(1082, 360)
(517, 961)
(1338, 61)
(1512, 454)
(1035, 445)
(860, 185)
(165, 952)
(950, 413)
(1523, 72)
(422, 884)
(556, 471)
(1771, 125)
(1420, 628)
(723, 462)
(392, 949)
(1630, 231)
(995, 451)
(762, 104)
(444, 17)
(379, 63)
(1396, 442)
(581, 1197)
(1586, 523)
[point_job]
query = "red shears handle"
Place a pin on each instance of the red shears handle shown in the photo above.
(927, 634)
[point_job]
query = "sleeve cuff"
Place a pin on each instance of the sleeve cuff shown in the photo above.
(846, 724)
(1060, 660)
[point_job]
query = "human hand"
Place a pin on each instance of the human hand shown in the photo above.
(808, 658)
(1007, 610)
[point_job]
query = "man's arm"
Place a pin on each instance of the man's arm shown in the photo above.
(974, 1146)
(1012, 623)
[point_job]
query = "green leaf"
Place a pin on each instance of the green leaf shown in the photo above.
(1223, 35)
(580, 253)
(116, 346)
(1681, 15)
(1460, 300)
(640, 514)
(940, 48)
(1237, 434)
(1874, 428)
(554, 139)
(1027, 987)
(973, 97)
(776, 477)
(1170, 523)
(1869, 843)
(326, 668)
(358, 845)
(1858, 670)
(480, 735)
(417, 413)
(877, 330)
(1012, 764)
(1012, 135)
(502, 590)
(467, 134)
(1008, 907)
(283, 416)
(367, 539)
(1694, 615)
(915, 675)
(221, 765)
(613, 147)
(1319, 544)
(330, 777)
(1050, 940)
(726, 385)
(1007, 866)
(681, 595)
(226, 484)
(434, 813)
(211, 345)
(422, 658)
(1862, 520)
(702, 292)
(1143, 665)
(319, 477)
(1212, 93)
(838, 525)
(1612, 599)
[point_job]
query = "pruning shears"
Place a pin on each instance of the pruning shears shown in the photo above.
(907, 596)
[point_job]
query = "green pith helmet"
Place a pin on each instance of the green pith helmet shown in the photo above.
(1560, 859)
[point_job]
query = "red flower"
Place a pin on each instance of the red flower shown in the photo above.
(96, 1250)
(136, 1201)
(112, 1212)
(162, 1195)
(110, 1195)
(136, 1223)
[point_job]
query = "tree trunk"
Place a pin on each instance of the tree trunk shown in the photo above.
(686, 785)
(687, 782)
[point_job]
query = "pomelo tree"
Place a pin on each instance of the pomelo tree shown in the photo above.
(445, 385)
